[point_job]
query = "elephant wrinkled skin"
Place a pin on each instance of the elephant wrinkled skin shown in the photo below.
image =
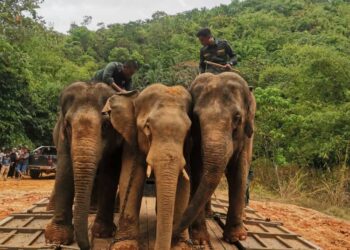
(86, 142)
(222, 132)
(158, 138)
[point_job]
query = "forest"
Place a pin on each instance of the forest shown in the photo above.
(296, 53)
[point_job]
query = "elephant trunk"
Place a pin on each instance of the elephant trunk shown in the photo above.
(166, 168)
(217, 150)
(86, 141)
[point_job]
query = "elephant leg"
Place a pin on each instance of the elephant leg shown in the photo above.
(107, 187)
(133, 166)
(51, 205)
(181, 203)
(60, 229)
(208, 211)
(236, 175)
(198, 230)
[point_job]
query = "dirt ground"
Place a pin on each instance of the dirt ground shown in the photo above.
(327, 232)
(323, 230)
(18, 195)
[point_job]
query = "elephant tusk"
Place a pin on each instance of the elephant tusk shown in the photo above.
(184, 173)
(149, 171)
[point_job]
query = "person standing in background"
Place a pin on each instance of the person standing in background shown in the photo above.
(1, 156)
(25, 160)
(13, 163)
(20, 164)
(5, 162)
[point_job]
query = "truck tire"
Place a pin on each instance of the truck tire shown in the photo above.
(34, 173)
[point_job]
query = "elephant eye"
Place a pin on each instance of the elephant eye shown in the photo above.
(105, 124)
(237, 119)
(147, 130)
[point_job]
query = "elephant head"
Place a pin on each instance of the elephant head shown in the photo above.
(161, 127)
(223, 117)
(87, 135)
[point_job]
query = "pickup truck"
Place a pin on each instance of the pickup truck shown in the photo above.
(42, 160)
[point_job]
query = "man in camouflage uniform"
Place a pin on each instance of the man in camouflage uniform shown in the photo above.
(216, 51)
(117, 75)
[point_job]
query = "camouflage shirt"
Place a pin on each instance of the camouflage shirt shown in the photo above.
(220, 52)
(113, 72)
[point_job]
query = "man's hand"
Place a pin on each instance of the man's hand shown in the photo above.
(228, 66)
(117, 88)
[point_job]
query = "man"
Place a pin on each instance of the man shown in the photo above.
(25, 162)
(5, 161)
(2, 154)
(215, 51)
(20, 163)
(117, 75)
(13, 164)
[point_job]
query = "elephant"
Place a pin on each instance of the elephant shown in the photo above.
(159, 138)
(85, 142)
(222, 134)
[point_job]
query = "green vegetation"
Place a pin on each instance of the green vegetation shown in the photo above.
(296, 54)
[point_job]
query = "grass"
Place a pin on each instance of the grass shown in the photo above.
(327, 191)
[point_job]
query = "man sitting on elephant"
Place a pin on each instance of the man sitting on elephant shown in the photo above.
(118, 75)
(215, 51)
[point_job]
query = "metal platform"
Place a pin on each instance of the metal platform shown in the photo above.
(26, 230)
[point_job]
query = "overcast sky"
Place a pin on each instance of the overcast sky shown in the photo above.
(61, 13)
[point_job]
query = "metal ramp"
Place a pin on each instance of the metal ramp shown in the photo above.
(26, 230)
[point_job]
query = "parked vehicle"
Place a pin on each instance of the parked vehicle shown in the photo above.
(42, 160)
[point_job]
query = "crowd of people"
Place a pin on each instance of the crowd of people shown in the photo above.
(14, 162)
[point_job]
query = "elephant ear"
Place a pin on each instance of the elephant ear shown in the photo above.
(120, 108)
(251, 107)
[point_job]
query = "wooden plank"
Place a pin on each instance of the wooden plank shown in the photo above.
(263, 227)
(258, 239)
(41, 216)
(308, 243)
(30, 210)
(42, 201)
(27, 221)
(6, 220)
(143, 227)
(34, 237)
(151, 221)
(280, 239)
(8, 236)
(216, 234)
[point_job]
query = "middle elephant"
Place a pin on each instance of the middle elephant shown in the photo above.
(159, 137)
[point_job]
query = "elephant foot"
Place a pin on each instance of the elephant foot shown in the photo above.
(181, 244)
(103, 230)
(59, 234)
(125, 245)
(234, 234)
(200, 237)
(50, 206)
